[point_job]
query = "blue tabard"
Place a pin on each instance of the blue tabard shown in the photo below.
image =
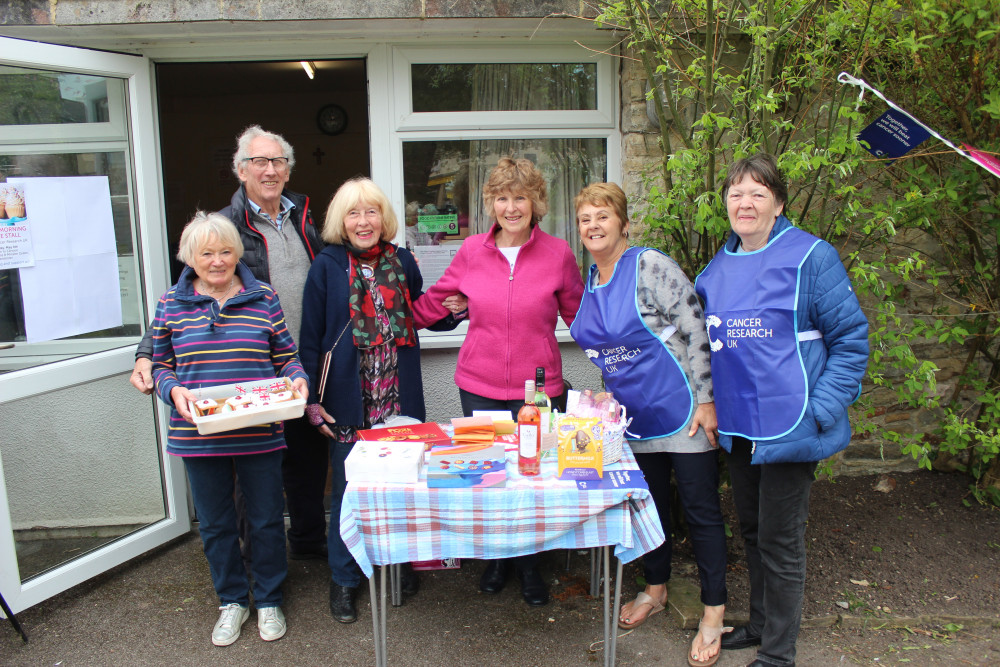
(750, 313)
(636, 364)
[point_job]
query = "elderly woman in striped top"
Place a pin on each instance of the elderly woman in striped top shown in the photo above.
(220, 325)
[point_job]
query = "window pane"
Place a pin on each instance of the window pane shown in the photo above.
(443, 190)
(72, 235)
(36, 97)
(505, 87)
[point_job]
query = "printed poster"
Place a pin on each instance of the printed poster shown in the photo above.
(73, 287)
(15, 230)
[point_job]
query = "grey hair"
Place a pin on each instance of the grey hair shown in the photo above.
(200, 230)
(255, 132)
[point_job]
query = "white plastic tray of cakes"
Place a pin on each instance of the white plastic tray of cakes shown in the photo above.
(227, 407)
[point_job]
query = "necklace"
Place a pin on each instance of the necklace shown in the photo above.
(210, 292)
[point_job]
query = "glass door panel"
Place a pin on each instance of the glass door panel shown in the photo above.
(80, 470)
(84, 482)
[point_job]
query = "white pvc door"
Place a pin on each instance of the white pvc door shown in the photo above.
(84, 483)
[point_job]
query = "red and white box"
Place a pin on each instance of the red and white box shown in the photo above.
(259, 402)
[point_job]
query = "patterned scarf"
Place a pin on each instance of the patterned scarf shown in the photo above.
(388, 285)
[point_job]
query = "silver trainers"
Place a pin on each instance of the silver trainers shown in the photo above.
(271, 623)
(227, 628)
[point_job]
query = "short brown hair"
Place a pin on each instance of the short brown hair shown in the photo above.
(604, 194)
(763, 168)
(520, 177)
(349, 195)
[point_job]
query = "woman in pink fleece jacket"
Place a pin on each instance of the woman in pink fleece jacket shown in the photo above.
(518, 280)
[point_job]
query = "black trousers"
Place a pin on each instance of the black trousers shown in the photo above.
(303, 471)
(772, 502)
(698, 485)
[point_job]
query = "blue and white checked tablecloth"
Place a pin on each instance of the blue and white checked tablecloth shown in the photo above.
(400, 523)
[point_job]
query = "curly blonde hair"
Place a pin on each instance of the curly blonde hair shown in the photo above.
(517, 177)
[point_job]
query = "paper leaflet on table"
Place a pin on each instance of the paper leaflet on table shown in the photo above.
(615, 479)
(891, 131)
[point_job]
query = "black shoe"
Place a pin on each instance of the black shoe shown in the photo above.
(741, 637)
(533, 588)
(308, 553)
(342, 602)
(494, 577)
(761, 663)
(411, 581)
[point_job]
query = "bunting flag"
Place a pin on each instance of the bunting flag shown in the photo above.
(896, 132)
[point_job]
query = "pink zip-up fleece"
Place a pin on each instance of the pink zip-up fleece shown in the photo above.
(512, 314)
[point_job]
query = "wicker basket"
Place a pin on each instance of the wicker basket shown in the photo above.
(614, 436)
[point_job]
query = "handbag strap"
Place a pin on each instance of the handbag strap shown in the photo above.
(327, 359)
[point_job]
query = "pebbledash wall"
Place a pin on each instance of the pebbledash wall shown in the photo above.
(51, 21)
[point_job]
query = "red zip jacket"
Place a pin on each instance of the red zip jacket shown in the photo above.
(512, 315)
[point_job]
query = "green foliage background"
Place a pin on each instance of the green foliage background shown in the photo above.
(920, 236)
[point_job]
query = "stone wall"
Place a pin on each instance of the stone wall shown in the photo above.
(104, 12)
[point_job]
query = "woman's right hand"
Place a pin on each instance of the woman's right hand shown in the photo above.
(182, 399)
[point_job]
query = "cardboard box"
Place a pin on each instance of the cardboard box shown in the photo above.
(252, 415)
(467, 466)
(428, 433)
(581, 448)
(385, 462)
(439, 564)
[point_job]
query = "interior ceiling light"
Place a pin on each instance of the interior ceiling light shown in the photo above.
(308, 67)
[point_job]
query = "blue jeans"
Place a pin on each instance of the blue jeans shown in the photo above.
(772, 503)
(698, 485)
(343, 569)
(211, 479)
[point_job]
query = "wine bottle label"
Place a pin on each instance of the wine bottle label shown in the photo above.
(527, 437)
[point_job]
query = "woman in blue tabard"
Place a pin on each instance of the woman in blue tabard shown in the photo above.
(789, 348)
(642, 325)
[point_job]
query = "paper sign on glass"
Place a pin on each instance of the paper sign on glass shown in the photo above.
(15, 229)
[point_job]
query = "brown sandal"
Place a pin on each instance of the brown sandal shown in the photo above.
(641, 599)
(712, 630)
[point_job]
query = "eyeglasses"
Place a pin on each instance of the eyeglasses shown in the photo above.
(261, 162)
(370, 213)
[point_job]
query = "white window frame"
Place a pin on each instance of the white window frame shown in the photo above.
(405, 125)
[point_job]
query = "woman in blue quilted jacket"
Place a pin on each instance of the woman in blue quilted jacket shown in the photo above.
(789, 346)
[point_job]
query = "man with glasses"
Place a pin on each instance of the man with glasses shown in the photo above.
(280, 241)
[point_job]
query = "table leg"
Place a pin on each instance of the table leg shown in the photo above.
(616, 609)
(595, 572)
(396, 576)
(608, 621)
(377, 632)
(382, 613)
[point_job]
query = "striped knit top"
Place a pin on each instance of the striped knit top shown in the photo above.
(195, 344)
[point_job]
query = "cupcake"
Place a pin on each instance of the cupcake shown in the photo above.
(14, 203)
(3, 201)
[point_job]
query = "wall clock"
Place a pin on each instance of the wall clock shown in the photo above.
(331, 119)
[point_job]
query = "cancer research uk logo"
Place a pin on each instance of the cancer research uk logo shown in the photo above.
(613, 356)
(713, 321)
(736, 328)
